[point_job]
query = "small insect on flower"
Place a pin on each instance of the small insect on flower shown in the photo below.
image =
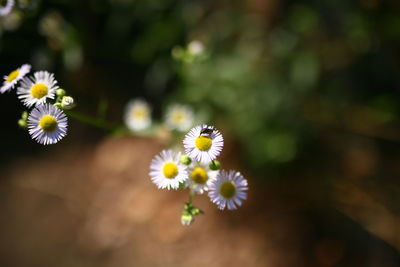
(228, 190)
(11, 79)
(203, 143)
(6, 7)
(179, 117)
(47, 124)
(207, 131)
(166, 170)
(137, 115)
(200, 177)
(37, 89)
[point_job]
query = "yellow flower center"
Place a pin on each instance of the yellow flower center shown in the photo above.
(39, 90)
(170, 170)
(11, 77)
(140, 112)
(203, 143)
(228, 189)
(48, 123)
(199, 175)
(178, 117)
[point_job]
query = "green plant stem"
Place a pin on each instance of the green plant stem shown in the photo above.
(191, 195)
(93, 121)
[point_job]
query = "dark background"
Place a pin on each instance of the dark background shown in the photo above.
(306, 94)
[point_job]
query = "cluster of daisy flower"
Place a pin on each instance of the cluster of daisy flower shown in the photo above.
(198, 171)
(46, 122)
(138, 116)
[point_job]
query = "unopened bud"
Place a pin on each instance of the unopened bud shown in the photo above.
(187, 218)
(67, 102)
(24, 115)
(215, 165)
(60, 92)
(186, 160)
(22, 123)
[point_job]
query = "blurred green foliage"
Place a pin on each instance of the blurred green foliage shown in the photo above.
(280, 73)
(272, 72)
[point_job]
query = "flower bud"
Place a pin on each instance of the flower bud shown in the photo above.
(60, 92)
(22, 123)
(186, 160)
(67, 102)
(24, 115)
(187, 218)
(215, 165)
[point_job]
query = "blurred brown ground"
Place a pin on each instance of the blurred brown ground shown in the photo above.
(96, 206)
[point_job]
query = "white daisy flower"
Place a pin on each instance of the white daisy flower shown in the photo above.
(37, 89)
(196, 47)
(137, 115)
(6, 8)
(200, 177)
(166, 171)
(179, 117)
(11, 79)
(228, 190)
(47, 124)
(203, 143)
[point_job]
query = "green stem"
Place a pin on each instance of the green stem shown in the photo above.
(93, 121)
(191, 195)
